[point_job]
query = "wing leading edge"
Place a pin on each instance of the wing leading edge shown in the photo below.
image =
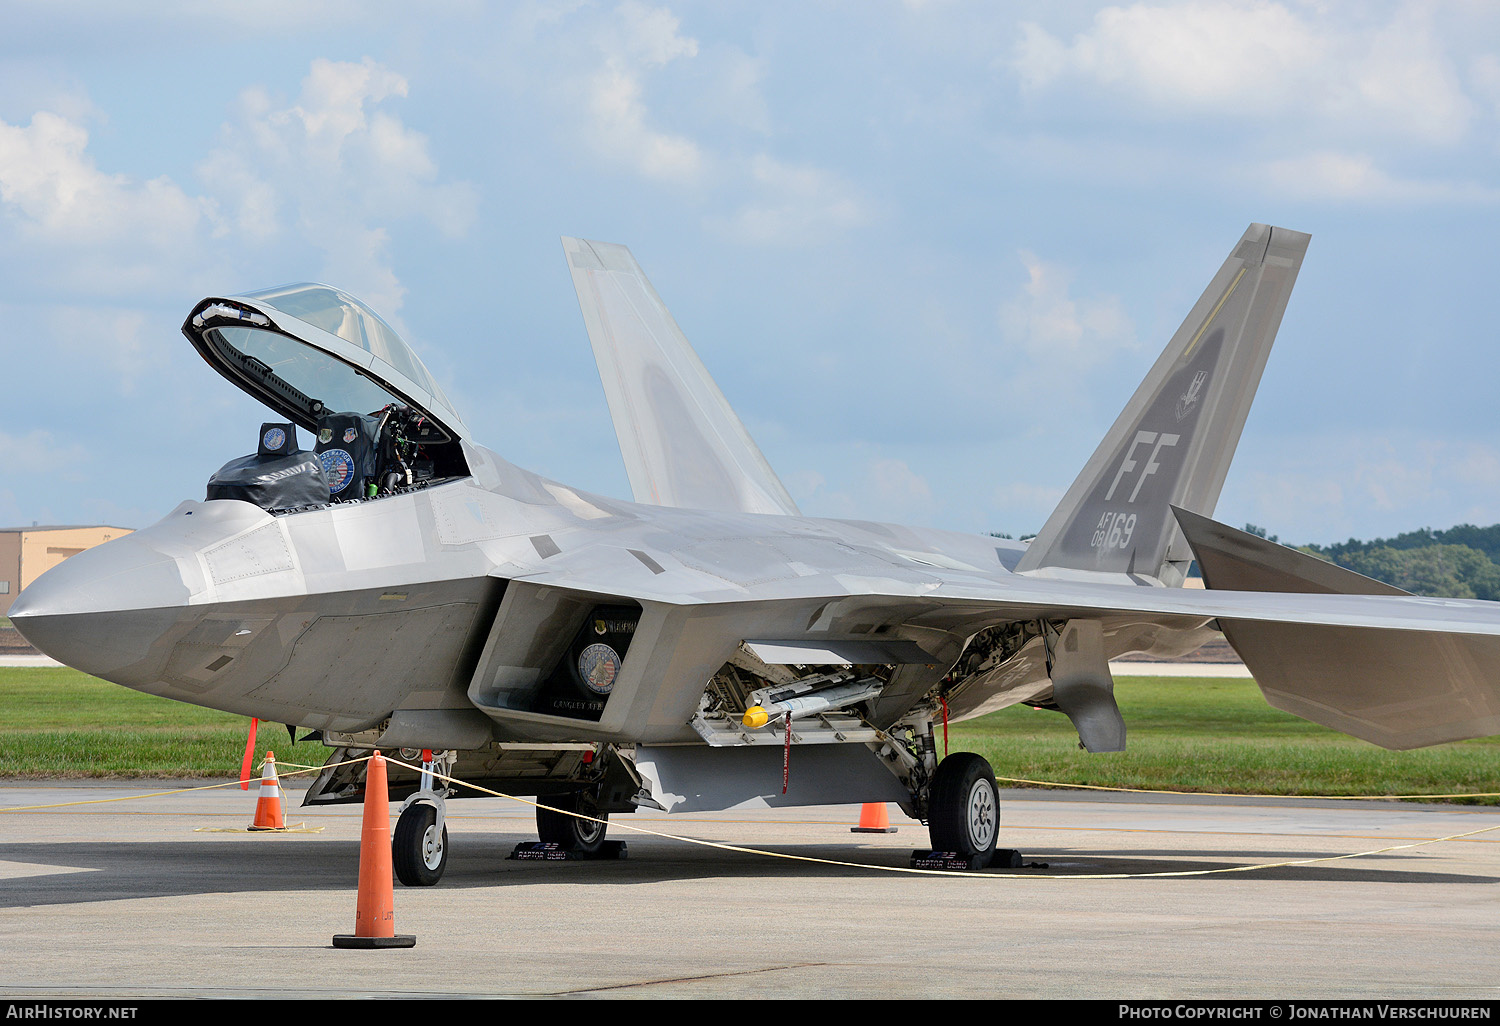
(683, 445)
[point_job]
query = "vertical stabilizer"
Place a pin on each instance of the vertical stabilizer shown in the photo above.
(1173, 442)
(683, 445)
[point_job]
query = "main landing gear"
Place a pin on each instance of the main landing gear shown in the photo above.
(963, 808)
(554, 825)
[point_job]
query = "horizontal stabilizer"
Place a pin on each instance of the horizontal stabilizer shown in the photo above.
(1234, 560)
(683, 445)
(1398, 689)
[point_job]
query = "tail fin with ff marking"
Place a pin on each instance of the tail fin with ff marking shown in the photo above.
(1172, 444)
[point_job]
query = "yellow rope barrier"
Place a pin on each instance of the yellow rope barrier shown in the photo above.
(950, 873)
(1232, 794)
(858, 865)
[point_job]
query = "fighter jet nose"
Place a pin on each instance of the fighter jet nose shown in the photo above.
(102, 610)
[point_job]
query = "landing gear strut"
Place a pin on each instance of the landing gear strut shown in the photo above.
(555, 826)
(963, 807)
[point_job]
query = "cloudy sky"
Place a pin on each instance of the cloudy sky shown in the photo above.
(927, 248)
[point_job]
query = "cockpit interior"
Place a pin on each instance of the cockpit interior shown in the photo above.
(378, 423)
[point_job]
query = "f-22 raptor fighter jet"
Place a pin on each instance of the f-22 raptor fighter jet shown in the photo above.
(705, 647)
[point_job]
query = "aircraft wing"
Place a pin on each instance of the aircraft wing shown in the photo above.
(683, 444)
(1400, 671)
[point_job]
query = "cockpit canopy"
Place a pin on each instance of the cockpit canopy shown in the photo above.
(323, 360)
(306, 348)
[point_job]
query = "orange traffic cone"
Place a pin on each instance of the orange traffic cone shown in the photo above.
(268, 805)
(873, 819)
(374, 909)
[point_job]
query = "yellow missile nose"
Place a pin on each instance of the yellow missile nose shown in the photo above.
(755, 717)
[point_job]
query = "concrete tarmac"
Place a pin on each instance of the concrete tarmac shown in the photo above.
(169, 897)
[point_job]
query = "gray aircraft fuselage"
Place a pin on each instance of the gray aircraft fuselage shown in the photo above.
(481, 603)
(436, 602)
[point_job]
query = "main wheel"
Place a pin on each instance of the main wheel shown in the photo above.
(555, 826)
(963, 807)
(419, 853)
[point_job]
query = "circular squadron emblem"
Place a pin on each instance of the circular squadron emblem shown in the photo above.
(599, 665)
(338, 468)
(273, 439)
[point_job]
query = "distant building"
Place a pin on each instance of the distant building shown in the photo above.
(28, 552)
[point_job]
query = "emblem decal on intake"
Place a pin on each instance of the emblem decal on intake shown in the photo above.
(598, 665)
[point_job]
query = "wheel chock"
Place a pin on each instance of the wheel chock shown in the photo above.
(1000, 858)
(374, 910)
(551, 851)
(926, 858)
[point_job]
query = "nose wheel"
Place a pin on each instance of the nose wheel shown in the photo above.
(963, 807)
(419, 850)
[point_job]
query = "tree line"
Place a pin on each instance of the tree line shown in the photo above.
(1460, 562)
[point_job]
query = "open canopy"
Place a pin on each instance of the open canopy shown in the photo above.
(307, 349)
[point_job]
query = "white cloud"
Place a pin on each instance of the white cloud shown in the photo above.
(1257, 58)
(639, 46)
(334, 169)
(46, 176)
(649, 34)
(897, 493)
(1404, 83)
(1054, 327)
(122, 233)
(795, 203)
(734, 95)
(1195, 53)
(1484, 73)
(327, 173)
(1328, 174)
(621, 130)
(637, 39)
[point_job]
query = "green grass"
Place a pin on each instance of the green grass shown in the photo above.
(1188, 734)
(1185, 735)
(57, 722)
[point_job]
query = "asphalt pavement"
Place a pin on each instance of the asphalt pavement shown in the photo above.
(169, 896)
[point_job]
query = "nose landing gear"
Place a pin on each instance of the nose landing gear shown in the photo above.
(419, 847)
